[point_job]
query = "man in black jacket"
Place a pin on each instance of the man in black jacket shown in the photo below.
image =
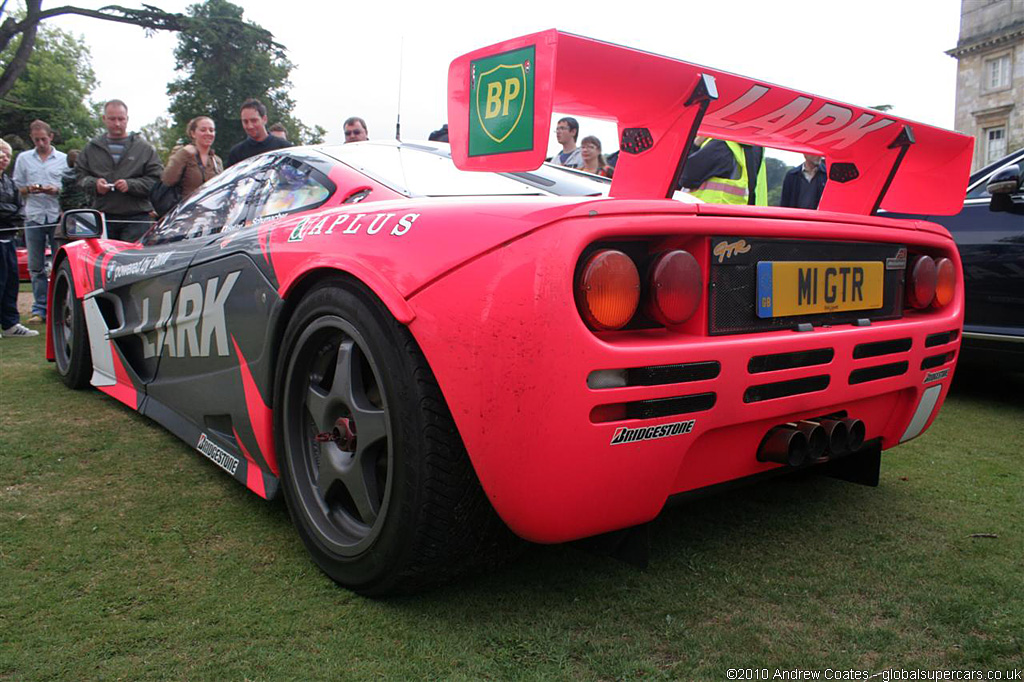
(258, 140)
(119, 169)
(804, 184)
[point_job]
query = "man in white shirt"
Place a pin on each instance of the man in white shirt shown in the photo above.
(37, 174)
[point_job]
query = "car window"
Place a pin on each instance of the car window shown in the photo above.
(422, 173)
(979, 192)
(291, 186)
(219, 206)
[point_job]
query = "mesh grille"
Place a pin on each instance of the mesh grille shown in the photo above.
(732, 292)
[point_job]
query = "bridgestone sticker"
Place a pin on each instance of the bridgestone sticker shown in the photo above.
(627, 435)
(217, 454)
(935, 376)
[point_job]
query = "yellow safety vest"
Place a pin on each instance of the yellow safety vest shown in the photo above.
(733, 191)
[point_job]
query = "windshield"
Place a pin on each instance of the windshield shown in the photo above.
(427, 170)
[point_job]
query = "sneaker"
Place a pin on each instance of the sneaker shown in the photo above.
(18, 330)
(36, 319)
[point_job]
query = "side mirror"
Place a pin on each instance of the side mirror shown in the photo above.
(1004, 183)
(1006, 180)
(81, 224)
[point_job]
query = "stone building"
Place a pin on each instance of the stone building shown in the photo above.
(990, 77)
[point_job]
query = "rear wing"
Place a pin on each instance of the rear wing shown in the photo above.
(500, 101)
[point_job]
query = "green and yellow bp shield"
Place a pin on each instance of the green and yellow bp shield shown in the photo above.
(501, 103)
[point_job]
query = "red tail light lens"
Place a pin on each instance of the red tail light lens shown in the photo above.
(607, 290)
(945, 282)
(676, 285)
(921, 282)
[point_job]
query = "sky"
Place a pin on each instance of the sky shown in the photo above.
(350, 58)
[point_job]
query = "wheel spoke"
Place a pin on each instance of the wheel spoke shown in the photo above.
(321, 405)
(346, 373)
(331, 468)
(371, 428)
(361, 482)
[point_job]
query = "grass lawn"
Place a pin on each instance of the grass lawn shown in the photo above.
(124, 554)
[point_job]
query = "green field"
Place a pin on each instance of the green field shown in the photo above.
(125, 555)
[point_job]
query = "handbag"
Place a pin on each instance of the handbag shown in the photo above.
(164, 197)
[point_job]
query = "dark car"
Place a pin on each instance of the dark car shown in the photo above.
(990, 236)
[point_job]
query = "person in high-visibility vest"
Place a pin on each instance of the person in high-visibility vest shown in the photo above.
(717, 173)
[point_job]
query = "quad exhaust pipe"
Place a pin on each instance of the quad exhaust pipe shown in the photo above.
(811, 441)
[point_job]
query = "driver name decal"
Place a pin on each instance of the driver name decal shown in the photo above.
(196, 328)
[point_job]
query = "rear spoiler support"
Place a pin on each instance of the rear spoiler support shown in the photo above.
(703, 94)
(903, 141)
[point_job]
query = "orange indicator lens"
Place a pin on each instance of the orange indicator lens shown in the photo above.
(608, 290)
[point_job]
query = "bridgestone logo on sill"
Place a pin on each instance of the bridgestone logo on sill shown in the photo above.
(217, 454)
(627, 435)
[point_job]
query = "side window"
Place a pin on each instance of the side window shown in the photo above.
(198, 218)
(292, 186)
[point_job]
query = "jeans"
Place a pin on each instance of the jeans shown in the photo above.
(8, 285)
(36, 239)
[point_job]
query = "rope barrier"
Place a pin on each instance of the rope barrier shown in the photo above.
(109, 221)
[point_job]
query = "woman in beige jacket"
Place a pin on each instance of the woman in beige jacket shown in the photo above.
(195, 163)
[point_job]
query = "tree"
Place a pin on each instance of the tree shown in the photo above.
(55, 87)
(160, 134)
(226, 65)
(25, 26)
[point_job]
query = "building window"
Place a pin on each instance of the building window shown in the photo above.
(995, 144)
(997, 73)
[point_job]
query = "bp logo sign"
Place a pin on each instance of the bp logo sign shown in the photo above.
(501, 103)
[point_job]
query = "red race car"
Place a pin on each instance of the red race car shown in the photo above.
(22, 253)
(423, 358)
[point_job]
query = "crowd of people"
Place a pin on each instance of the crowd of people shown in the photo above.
(120, 174)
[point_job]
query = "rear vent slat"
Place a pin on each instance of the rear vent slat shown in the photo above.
(877, 348)
(933, 361)
(893, 369)
(933, 340)
(672, 374)
(664, 407)
(779, 361)
(782, 389)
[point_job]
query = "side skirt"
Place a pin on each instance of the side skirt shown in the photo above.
(223, 449)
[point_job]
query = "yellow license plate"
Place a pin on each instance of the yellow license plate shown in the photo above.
(787, 288)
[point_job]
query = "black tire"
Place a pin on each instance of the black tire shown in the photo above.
(397, 506)
(67, 329)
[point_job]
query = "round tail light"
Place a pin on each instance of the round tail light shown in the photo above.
(675, 285)
(607, 290)
(921, 283)
(945, 282)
